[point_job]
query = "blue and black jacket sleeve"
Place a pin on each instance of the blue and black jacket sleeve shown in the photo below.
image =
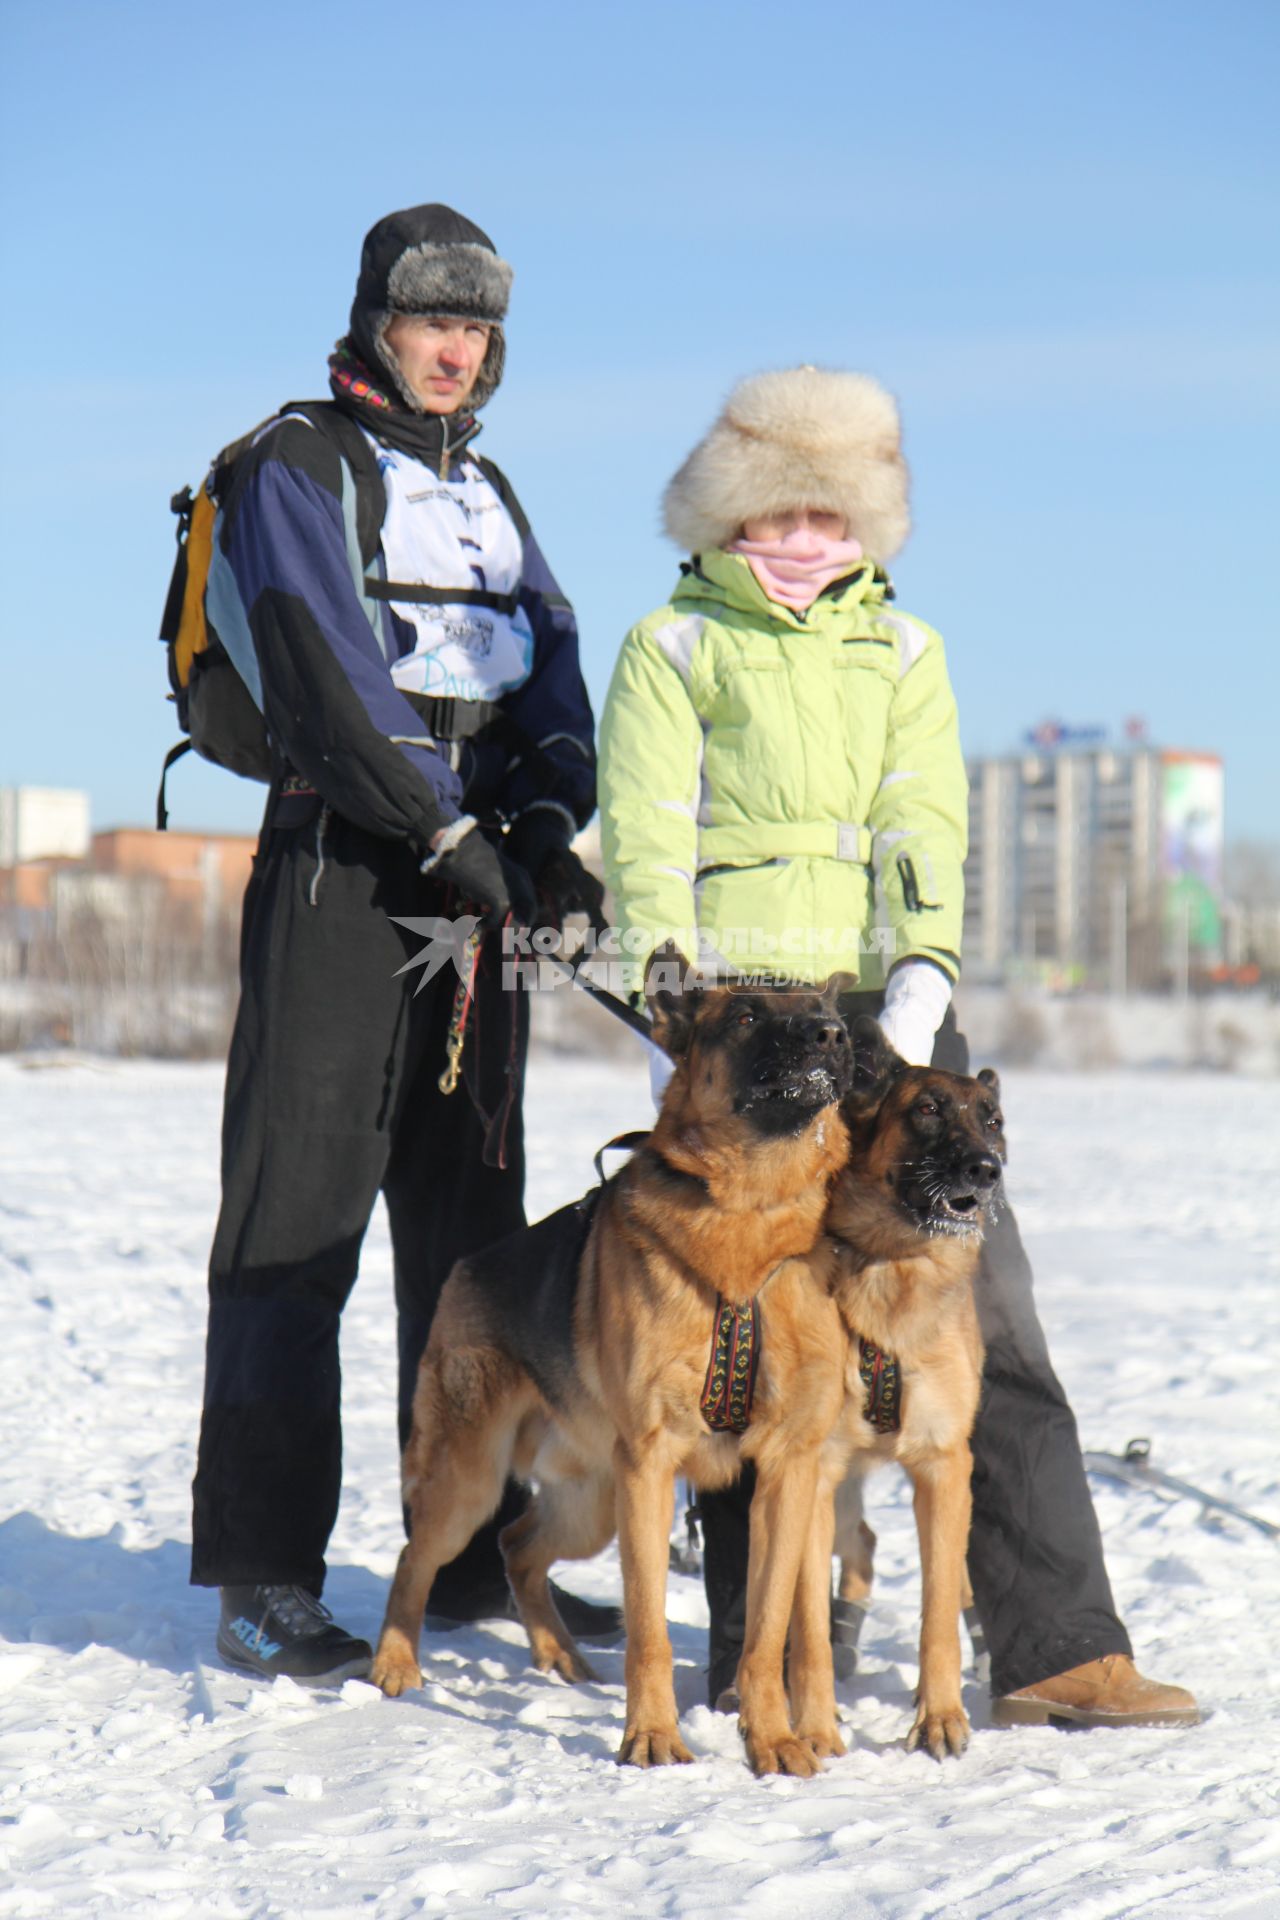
(329, 701)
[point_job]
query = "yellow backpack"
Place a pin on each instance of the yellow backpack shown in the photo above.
(216, 706)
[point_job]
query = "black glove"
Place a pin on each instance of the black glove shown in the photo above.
(539, 840)
(491, 882)
(520, 892)
(572, 888)
(538, 833)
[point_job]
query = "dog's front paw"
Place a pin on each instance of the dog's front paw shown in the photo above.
(939, 1732)
(395, 1671)
(786, 1752)
(653, 1747)
(824, 1743)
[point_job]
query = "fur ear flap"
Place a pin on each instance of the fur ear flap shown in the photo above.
(990, 1080)
(875, 1064)
(673, 991)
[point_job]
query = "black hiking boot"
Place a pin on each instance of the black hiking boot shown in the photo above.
(271, 1630)
(722, 1676)
(595, 1624)
(847, 1619)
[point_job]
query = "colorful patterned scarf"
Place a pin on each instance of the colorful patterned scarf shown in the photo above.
(436, 438)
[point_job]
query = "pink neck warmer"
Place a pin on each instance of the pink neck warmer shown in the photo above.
(795, 570)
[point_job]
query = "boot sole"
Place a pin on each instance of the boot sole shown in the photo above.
(1008, 1712)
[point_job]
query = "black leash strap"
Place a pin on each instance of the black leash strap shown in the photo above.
(638, 1022)
(622, 1143)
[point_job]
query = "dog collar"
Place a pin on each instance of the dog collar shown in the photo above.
(882, 1378)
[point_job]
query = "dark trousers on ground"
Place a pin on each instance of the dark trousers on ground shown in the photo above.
(1035, 1554)
(331, 1098)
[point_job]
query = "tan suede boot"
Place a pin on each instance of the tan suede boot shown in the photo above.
(1102, 1693)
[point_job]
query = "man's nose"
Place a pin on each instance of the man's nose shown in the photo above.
(453, 349)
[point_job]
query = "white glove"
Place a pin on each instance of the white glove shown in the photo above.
(917, 996)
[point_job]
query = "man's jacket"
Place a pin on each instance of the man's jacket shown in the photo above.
(785, 783)
(335, 659)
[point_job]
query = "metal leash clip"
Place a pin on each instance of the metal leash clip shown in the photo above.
(458, 1017)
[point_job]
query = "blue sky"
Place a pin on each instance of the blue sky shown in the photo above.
(1051, 231)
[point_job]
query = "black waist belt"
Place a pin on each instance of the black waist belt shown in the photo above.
(447, 719)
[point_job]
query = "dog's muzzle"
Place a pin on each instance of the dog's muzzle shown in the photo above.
(964, 1201)
(817, 1076)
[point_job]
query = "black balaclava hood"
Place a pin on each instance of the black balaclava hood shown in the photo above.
(429, 260)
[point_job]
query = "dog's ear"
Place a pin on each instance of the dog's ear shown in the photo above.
(988, 1077)
(875, 1064)
(673, 992)
(835, 988)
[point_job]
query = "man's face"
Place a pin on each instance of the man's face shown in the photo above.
(440, 357)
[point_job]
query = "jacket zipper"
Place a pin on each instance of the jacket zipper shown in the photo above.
(911, 890)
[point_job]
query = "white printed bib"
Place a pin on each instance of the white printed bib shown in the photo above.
(438, 534)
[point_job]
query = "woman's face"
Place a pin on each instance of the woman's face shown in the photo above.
(778, 526)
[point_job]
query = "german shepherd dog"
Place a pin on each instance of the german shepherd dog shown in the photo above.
(906, 1219)
(593, 1386)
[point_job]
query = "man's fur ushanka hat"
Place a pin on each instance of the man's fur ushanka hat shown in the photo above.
(804, 437)
(430, 260)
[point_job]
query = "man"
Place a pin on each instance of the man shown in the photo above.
(433, 746)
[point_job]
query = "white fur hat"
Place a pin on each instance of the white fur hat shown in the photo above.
(805, 437)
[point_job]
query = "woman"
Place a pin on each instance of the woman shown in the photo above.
(782, 789)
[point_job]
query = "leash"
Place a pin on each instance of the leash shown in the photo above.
(639, 1023)
(622, 1143)
(1134, 1468)
(463, 1001)
(611, 1002)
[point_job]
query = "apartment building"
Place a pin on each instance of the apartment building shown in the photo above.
(1094, 864)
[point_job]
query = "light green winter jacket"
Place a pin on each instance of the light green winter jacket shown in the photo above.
(784, 789)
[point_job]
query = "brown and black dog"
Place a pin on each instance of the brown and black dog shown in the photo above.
(593, 1382)
(907, 1215)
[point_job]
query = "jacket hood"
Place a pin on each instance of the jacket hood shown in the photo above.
(803, 437)
(430, 259)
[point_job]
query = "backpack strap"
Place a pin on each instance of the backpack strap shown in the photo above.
(505, 491)
(371, 497)
(162, 802)
(507, 494)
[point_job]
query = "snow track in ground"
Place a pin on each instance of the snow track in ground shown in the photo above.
(139, 1777)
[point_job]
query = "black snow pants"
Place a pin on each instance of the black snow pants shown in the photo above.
(1035, 1554)
(332, 1097)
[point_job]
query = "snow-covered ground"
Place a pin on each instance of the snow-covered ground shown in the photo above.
(138, 1777)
